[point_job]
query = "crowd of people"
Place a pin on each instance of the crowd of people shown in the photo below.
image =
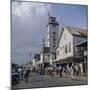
(72, 71)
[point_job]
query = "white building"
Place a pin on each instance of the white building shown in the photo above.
(52, 37)
(69, 37)
(33, 62)
(60, 50)
(45, 56)
(42, 59)
(36, 60)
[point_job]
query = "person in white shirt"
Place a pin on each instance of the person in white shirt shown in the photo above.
(72, 71)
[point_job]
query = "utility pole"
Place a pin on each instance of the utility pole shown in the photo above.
(30, 56)
(48, 14)
(43, 51)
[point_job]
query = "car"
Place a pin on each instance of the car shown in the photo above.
(15, 78)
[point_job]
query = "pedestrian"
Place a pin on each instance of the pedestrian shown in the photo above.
(77, 67)
(76, 70)
(48, 70)
(26, 75)
(51, 71)
(72, 71)
(79, 70)
(60, 71)
(57, 70)
(22, 74)
(68, 70)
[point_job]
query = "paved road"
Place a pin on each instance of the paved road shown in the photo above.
(39, 81)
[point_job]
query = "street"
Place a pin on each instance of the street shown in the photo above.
(41, 81)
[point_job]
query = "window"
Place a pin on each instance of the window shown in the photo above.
(61, 48)
(64, 36)
(76, 48)
(54, 39)
(69, 47)
(54, 43)
(54, 33)
(46, 57)
(57, 52)
(66, 48)
(53, 56)
(54, 36)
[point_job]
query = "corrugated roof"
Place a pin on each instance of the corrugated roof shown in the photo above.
(74, 31)
(83, 43)
(77, 31)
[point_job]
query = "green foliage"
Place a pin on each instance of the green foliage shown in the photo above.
(14, 66)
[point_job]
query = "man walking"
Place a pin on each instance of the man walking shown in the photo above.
(26, 75)
(60, 71)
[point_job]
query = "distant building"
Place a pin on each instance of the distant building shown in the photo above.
(65, 52)
(45, 56)
(42, 59)
(36, 60)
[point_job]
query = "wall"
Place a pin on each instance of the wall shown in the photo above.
(65, 40)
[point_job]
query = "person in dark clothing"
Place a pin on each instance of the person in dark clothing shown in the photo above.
(60, 71)
(26, 76)
(22, 74)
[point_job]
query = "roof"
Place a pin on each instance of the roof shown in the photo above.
(83, 43)
(77, 31)
(37, 56)
(74, 31)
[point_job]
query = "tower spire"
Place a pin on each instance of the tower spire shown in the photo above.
(48, 14)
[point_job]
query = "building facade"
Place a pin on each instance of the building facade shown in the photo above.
(52, 37)
(69, 37)
(63, 49)
(81, 55)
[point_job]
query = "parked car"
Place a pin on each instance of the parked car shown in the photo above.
(15, 78)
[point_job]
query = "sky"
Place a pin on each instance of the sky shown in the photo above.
(29, 25)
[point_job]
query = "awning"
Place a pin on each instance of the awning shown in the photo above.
(81, 44)
(63, 61)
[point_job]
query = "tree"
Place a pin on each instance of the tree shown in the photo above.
(14, 66)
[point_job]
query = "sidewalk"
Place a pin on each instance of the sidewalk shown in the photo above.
(81, 77)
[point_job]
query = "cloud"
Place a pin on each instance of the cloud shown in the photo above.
(28, 9)
(29, 22)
